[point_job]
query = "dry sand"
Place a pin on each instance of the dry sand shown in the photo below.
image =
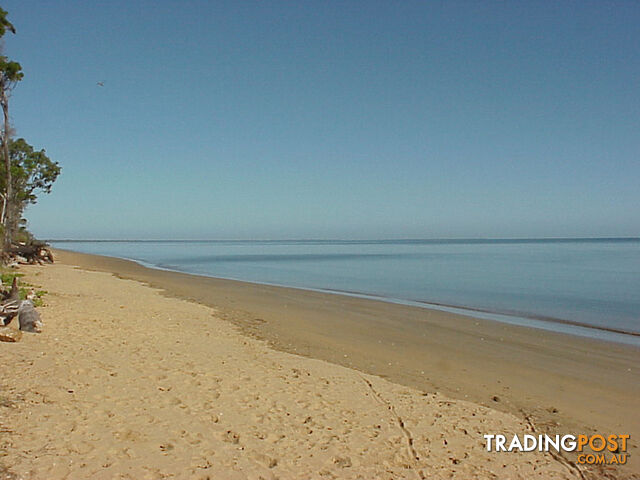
(125, 382)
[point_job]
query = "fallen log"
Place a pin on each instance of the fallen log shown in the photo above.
(36, 252)
(29, 318)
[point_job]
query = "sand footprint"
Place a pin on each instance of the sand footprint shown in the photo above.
(230, 436)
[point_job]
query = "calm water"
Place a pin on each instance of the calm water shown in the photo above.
(593, 282)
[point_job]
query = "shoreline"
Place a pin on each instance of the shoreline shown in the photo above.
(562, 382)
(522, 319)
(128, 382)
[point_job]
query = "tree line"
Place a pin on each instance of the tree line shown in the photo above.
(25, 172)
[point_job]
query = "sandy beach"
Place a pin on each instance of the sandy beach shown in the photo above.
(319, 240)
(152, 374)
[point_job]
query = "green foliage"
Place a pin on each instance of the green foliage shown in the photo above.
(7, 277)
(26, 171)
(10, 71)
(31, 171)
(23, 235)
(5, 25)
(7, 280)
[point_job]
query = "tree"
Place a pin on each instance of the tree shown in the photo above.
(10, 74)
(32, 172)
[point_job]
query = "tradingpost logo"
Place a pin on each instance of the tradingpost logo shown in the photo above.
(592, 449)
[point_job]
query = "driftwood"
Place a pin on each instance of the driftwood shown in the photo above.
(14, 293)
(30, 253)
(8, 334)
(29, 318)
(10, 306)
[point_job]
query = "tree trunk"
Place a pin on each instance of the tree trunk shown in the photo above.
(6, 221)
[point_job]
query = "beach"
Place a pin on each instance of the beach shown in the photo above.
(143, 373)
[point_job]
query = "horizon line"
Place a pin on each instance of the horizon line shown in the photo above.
(400, 239)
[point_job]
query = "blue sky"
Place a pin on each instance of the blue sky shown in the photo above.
(332, 119)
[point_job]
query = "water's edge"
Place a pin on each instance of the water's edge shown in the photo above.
(523, 320)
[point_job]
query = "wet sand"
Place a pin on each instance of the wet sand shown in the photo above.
(559, 383)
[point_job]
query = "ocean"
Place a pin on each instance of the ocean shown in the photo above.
(580, 286)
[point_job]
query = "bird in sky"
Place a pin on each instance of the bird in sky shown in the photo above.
(101, 84)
